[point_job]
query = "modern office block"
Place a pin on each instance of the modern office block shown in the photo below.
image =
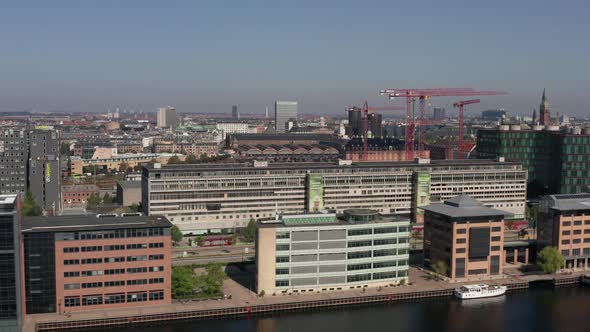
(324, 252)
(14, 154)
(564, 222)
(217, 197)
(76, 263)
(285, 111)
(466, 236)
(10, 265)
(45, 169)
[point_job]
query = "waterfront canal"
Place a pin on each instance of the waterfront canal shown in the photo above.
(537, 309)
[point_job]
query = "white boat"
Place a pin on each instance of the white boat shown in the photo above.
(479, 291)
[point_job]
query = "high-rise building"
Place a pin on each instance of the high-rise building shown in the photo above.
(493, 115)
(44, 169)
(285, 111)
(167, 117)
(234, 112)
(30, 159)
(326, 252)
(219, 197)
(554, 159)
(14, 155)
(439, 113)
(376, 124)
(544, 111)
(355, 124)
(77, 263)
(10, 265)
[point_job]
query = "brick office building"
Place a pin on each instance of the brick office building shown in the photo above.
(77, 263)
(78, 194)
(564, 222)
(466, 235)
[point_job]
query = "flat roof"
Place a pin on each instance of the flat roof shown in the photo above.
(129, 184)
(570, 202)
(90, 222)
(320, 219)
(324, 165)
(464, 206)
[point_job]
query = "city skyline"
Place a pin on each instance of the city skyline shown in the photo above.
(207, 57)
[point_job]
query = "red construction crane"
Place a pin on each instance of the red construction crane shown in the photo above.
(366, 111)
(460, 105)
(422, 95)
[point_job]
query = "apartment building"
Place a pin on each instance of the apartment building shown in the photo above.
(564, 222)
(77, 263)
(466, 236)
(214, 197)
(326, 252)
(78, 194)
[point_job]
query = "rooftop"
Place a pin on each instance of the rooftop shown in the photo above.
(332, 165)
(90, 222)
(129, 184)
(464, 206)
(331, 219)
(570, 202)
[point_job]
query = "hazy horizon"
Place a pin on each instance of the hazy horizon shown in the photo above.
(206, 56)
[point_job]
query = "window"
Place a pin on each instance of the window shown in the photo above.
(69, 250)
(565, 253)
(567, 223)
(495, 248)
(282, 247)
(355, 267)
(114, 247)
(381, 242)
(156, 257)
(92, 285)
(71, 262)
(577, 223)
(91, 260)
(156, 281)
(461, 250)
(71, 286)
(114, 271)
(71, 274)
(282, 259)
(358, 277)
(137, 246)
(137, 270)
(496, 238)
(156, 268)
(282, 271)
(156, 245)
(137, 297)
(114, 298)
(354, 244)
(90, 249)
(115, 283)
(357, 232)
(283, 235)
(565, 241)
(136, 258)
(384, 252)
(72, 301)
(359, 254)
(496, 229)
(565, 233)
(461, 231)
(92, 300)
(114, 259)
(576, 241)
(575, 252)
(156, 295)
(137, 282)
(385, 230)
(281, 283)
(461, 241)
(384, 275)
(477, 271)
(378, 265)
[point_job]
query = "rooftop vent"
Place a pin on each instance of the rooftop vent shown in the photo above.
(131, 214)
(107, 215)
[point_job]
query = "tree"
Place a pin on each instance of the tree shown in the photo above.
(522, 233)
(134, 207)
(123, 166)
(440, 268)
(176, 234)
(550, 260)
(509, 225)
(250, 231)
(191, 159)
(30, 207)
(174, 160)
(108, 199)
(64, 149)
(93, 202)
(199, 240)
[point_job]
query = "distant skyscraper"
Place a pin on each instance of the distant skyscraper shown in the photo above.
(375, 124)
(354, 122)
(10, 276)
(234, 112)
(284, 111)
(544, 115)
(14, 154)
(439, 113)
(534, 116)
(167, 117)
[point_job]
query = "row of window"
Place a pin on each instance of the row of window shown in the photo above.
(92, 273)
(89, 300)
(114, 247)
(576, 232)
(575, 241)
(113, 259)
(576, 223)
(114, 234)
(575, 252)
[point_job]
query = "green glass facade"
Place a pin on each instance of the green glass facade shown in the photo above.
(557, 163)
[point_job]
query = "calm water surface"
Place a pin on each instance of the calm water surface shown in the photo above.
(538, 309)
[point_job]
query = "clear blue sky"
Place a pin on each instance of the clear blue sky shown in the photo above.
(207, 55)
